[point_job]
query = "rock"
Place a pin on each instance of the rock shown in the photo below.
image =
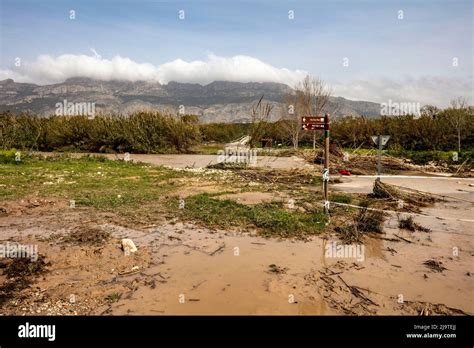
(128, 246)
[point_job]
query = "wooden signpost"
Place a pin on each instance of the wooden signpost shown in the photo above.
(315, 123)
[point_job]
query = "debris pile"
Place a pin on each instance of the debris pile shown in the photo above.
(367, 221)
(430, 309)
(286, 177)
(366, 163)
(436, 266)
(276, 269)
(409, 223)
(412, 197)
(87, 235)
(340, 295)
(19, 273)
(228, 165)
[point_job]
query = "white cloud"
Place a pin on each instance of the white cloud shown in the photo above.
(47, 69)
(434, 90)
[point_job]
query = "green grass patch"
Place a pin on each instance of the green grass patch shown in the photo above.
(113, 297)
(340, 198)
(10, 156)
(208, 149)
(90, 181)
(424, 157)
(361, 151)
(271, 219)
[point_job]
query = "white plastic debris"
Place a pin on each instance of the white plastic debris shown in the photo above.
(128, 246)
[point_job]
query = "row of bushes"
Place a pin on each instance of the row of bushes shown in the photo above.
(142, 132)
(406, 132)
(152, 132)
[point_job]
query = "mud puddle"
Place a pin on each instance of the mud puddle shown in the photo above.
(180, 268)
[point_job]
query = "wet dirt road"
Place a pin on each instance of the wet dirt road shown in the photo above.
(198, 161)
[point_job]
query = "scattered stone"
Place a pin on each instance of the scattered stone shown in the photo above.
(128, 246)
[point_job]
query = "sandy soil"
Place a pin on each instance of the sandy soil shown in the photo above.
(181, 268)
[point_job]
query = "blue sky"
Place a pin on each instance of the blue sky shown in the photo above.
(378, 44)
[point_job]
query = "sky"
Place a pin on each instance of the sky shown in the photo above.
(415, 50)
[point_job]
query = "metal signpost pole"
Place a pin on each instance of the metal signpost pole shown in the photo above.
(380, 141)
(314, 123)
(326, 163)
(379, 154)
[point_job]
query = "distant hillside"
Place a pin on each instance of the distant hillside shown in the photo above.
(219, 101)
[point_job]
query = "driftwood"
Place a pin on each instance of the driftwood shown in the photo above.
(404, 239)
(285, 177)
(436, 266)
(357, 293)
(217, 250)
(407, 195)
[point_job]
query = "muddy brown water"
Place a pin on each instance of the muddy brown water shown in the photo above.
(181, 268)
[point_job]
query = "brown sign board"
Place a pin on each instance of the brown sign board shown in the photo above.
(312, 119)
(312, 126)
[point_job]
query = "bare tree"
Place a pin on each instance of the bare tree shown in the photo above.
(311, 97)
(290, 117)
(457, 115)
(430, 111)
(260, 117)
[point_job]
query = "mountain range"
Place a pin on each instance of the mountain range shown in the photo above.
(219, 101)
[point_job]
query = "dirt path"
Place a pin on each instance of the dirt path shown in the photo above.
(199, 161)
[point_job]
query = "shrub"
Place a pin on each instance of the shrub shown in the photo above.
(141, 132)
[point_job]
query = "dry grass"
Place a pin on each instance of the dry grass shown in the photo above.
(366, 221)
(409, 223)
